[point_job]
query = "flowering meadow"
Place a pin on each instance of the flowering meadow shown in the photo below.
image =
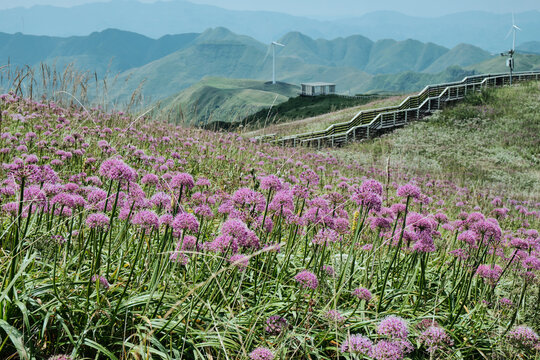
(123, 238)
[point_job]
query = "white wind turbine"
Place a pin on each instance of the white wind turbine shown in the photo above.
(510, 53)
(274, 44)
(513, 30)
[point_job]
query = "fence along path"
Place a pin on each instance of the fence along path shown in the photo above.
(367, 123)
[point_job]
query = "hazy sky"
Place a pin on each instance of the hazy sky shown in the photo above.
(335, 8)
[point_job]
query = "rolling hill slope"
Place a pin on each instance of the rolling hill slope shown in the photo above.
(523, 62)
(215, 100)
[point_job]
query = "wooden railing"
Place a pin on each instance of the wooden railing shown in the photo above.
(367, 123)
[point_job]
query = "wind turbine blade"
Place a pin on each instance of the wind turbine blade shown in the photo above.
(509, 32)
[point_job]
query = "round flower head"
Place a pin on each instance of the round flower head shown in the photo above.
(523, 338)
(307, 279)
(387, 350)
(409, 190)
(98, 220)
(393, 327)
(357, 344)
(435, 338)
(261, 353)
(147, 219)
(489, 274)
(185, 221)
(362, 294)
(182, 180)
(115, 169)
(271, 182)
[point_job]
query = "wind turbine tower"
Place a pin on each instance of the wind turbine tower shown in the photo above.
(274, 44)
(510, 53)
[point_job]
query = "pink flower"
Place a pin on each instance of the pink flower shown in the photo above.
(185, 221)
(409, 190)
(98, 220)
(182, 180)
(362, 294)
(394, 327)
(357, 344)
(261, 353)
(307, 279)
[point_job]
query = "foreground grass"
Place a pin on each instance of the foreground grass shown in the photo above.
(123, 238)
(491, 140)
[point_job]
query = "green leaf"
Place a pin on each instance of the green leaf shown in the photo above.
(16, 338)
(100, 348)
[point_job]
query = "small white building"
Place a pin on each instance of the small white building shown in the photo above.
(318, 88)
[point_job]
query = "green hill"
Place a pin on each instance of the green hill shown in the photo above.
(523, 62)
(460, 55)
(390, 56)
(218, 100)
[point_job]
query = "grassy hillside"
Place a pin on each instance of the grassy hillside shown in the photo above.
(523, 62)
(216, 100)
(128, 238)
(460, 55)
(490, 140)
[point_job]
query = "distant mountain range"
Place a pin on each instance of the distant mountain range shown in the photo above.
(111, 51)
(165, 66)
(531, 47)
(483, 29)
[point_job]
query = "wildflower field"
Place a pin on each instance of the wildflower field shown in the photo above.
(123, 238)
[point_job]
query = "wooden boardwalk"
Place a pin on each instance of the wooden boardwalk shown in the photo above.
(369, 123)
